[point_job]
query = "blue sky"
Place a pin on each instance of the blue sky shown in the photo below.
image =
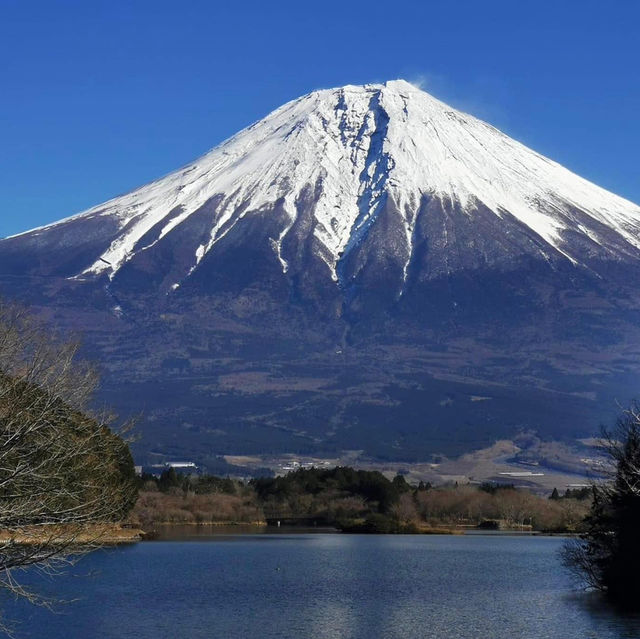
(100, 97)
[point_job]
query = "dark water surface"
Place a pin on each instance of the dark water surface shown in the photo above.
(325, 586)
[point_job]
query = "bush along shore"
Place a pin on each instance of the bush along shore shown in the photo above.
(352, 501)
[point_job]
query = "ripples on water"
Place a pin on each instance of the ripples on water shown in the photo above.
(326, 586)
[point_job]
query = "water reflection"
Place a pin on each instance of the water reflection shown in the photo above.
(333, 586)
(602, 613)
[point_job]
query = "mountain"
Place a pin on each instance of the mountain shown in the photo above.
(365, 268)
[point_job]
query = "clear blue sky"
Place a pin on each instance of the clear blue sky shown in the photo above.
(97, 98)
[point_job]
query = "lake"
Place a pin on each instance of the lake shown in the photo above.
(325, 586)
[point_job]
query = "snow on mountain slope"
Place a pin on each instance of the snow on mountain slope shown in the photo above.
(366, 146)
(350, 273)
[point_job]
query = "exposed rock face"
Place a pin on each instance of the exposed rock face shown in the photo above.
(364, 268)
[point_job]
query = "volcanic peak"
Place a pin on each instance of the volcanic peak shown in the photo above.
(359, 150)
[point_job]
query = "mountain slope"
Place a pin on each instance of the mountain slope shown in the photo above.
(352, 154)
(363, 257)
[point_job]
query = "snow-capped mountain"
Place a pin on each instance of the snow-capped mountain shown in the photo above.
(364, 173)
(373, 220)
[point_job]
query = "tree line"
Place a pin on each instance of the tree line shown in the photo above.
(352, 500)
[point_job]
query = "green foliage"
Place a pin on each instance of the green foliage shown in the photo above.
(581, 494)
(378, 523)
(65, 476)
(371, 485)
(400, 484)
(81, 471)
(353, 501)
(195, 484)
(169, 479)
(493, 488)
(608, 557)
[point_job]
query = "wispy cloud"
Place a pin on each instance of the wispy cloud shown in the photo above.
(485, 97)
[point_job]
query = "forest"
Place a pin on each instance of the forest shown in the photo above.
(353, 501)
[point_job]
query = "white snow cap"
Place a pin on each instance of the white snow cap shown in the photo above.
(363, 142)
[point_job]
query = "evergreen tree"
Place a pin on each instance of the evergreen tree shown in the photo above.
(608, 556)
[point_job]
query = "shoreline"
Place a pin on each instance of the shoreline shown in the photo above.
(98, 534)
(164, 531)
(118, 534)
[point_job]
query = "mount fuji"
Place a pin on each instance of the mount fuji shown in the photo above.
(365, 268)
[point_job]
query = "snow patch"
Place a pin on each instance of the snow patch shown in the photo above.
(355, 147)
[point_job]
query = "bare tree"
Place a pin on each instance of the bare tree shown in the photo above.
(405, 510)
(64, 475)
(607, 557)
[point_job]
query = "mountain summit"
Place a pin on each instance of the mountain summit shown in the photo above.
(357, 179)
(365, 268)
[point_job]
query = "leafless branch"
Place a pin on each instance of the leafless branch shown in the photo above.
(64, 474)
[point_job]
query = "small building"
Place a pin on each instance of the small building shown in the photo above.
(182, 466)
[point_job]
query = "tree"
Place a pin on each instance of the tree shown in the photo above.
(64, 474)
(607, 557)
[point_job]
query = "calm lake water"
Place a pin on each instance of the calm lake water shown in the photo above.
(325, 586)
